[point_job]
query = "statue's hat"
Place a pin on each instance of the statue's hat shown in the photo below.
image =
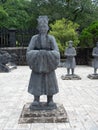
(42, 20)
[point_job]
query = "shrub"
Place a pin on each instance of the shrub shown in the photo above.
(89, 35)
(64, 30)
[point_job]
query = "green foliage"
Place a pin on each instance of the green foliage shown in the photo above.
(3, 16)
(23, 13)
(64, 30)
(15, 14)
(89, 35)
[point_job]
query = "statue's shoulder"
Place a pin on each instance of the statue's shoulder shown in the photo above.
(51, 37)
(95, 49)
(34, 37)
(73, 48)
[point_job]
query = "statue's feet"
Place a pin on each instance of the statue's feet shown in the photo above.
(51, 103)
(35, 103)
(95, 74)
(67, 74)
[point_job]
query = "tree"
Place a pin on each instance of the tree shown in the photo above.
(17, 15)
(2, 1)
(89, 35)
(64, 30)
(84, 12)
(23, 13)
(3, 16)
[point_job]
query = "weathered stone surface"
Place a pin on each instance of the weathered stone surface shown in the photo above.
(57, 115)
(43, 106)
(6, 61)
(93, 76)
(95, 60)
(43, 58)
(70, 54)
(11, 66)
(70, 77)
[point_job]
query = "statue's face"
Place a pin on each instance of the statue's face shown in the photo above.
(43, 29)
(70, 44)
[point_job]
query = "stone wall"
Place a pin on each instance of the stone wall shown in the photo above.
(84, 55)
(20, 52)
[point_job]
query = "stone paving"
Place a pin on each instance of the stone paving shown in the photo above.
(79, 97)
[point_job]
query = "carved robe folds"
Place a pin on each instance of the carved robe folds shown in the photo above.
(43, 59)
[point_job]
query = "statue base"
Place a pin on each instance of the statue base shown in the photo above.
(57, 115)
(7, 68)
(93, 76)
(4, 68)
(11, 66)
(70, 77)
(43, 106)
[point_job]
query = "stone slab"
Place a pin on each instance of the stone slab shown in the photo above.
(57, 115)
(93, 76)
(70, 77)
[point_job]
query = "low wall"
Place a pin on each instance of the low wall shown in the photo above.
(84, 55)
(20, 52)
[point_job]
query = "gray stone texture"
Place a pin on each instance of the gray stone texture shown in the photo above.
(70, 53)
(70, 77)
(43, 58)
(79, 98)
(93, 76)
(95, 60)
(7, 61)
(57, 115)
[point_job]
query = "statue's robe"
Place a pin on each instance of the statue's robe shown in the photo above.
(43, 59)
(95, 60)
(70, 52)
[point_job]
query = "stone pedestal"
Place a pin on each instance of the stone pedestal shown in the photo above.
(57, 115)
(70, 77)
(11, 66)
(93, 76)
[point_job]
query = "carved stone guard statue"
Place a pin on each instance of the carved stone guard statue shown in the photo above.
(70, 63)
(70, 53)
(43, 58)
(95, 61)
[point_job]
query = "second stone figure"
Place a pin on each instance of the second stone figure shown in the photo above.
(70, 63)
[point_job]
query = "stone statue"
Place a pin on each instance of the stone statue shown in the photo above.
(43, 58)
(6, 58)
(95, 61)
(70, 53)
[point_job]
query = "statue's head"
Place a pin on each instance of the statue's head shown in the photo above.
(70, 43)
(43, 24)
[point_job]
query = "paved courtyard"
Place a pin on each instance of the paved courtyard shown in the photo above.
(79, 97)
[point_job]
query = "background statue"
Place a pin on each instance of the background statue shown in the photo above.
(70, 53)
(95, 61)
(43, 58)
(5, 60)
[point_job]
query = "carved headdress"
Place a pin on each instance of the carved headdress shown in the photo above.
(42, 20)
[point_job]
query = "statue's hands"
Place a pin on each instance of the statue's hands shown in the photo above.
(42, 52)
(70, 56)
(95, 55)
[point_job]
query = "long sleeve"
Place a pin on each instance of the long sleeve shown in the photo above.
(43, 60)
